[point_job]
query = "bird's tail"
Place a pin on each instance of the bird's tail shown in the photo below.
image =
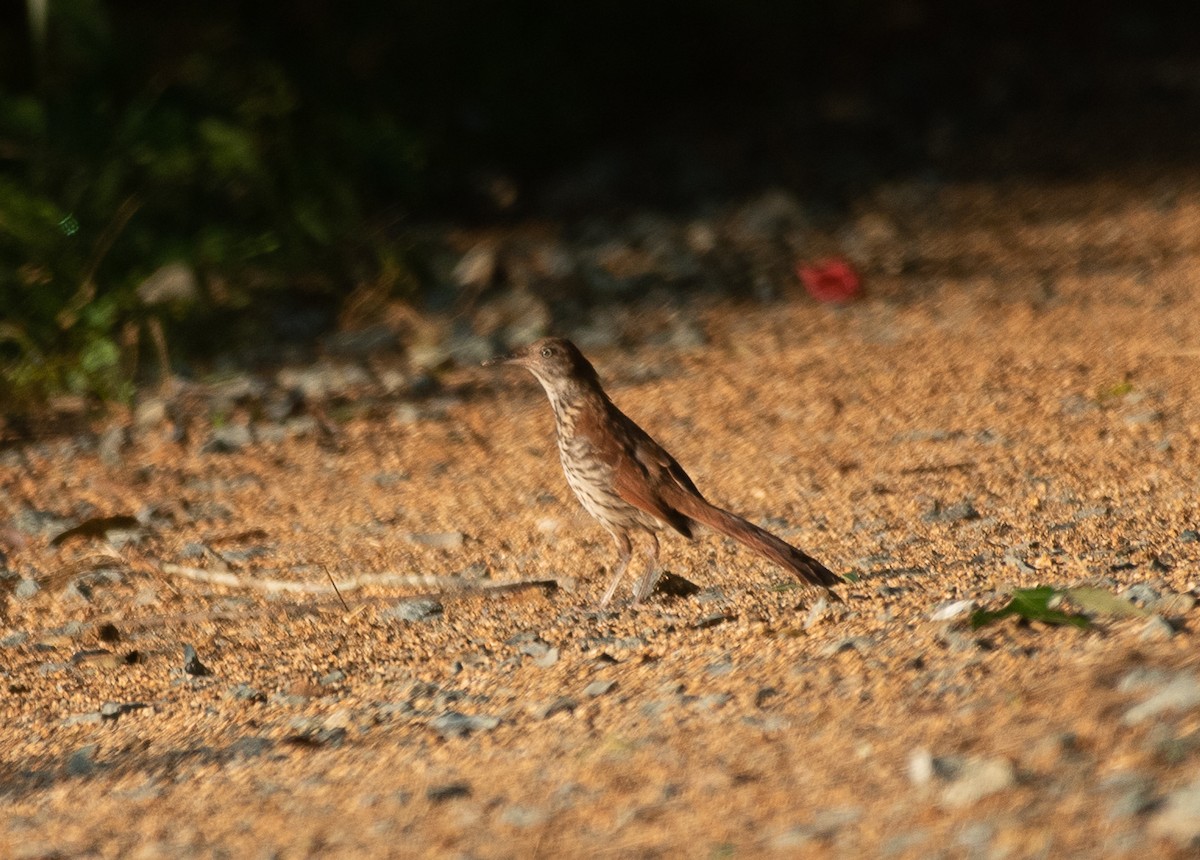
(761, 541)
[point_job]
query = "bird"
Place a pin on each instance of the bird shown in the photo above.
(627, 481)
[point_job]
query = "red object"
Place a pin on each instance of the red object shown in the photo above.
(831, 280)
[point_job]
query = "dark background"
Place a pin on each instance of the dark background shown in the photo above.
(289, 152)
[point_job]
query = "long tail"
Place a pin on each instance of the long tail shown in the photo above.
(761, 541)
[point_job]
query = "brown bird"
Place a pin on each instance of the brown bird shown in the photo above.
(626, 480)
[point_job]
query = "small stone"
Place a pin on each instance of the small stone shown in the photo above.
(109, 448)
(523, 816)
(12, 640)
(952, 610)
(448, 791)
(88, 719)
(228, 439)
(978, 779)
(415, 609)
(1157, 628)
(1179, 817)
(25, 589)
(559, 705)
(1180, 692)
(83, 761)
(847, 643)
(453, 724)
(439, 540)
(546, 660)
(246, 693)
(111, 710)
(598, 688)
(816, 612)
(957, 512)
(1141, 593)
(332, 678)
(192, 664)
(250, 747)
(149, 414)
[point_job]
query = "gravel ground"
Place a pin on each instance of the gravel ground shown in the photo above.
(1013, 403)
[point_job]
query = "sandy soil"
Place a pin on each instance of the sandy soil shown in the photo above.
(1014, 405)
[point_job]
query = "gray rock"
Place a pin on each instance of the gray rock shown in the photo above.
(1141, 593)
(951, 610)
(82, 762)
(1179, 817)
(250, 747)
(598, 688)
(91, 718)
(1157, 628)
(111, 442)
(25, 589)
(559, 705)
(978, 778)
(454, 724)
(12, 640)
(228, 439)
(957, 512)
(332, 678)
(1179, 692)
(415, 609)
(523, 816)
(246, 693)
(192, 664)
(439, 540)
(1135, 795)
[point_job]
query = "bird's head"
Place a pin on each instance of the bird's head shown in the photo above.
(556, 362)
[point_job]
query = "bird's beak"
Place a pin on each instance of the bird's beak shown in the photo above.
(510, 358)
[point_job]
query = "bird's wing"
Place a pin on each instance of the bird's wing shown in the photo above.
(647, 477)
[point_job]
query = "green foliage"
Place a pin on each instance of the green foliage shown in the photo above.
(1031, 604)
(123, 153)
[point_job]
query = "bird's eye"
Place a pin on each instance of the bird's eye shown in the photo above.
(547, 351)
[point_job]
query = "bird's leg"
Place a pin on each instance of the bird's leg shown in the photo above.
(624, 552)
(649, 577)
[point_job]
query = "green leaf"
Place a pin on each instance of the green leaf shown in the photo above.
(1097, 600)
(1032, 604)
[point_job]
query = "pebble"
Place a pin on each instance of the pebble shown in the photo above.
(598, 688)
(14, 639)
(415, 609)
(439, 540)
(448, 791)
(25, 589)
(559, 705)
(111, 442)
(978, 778)
(957, 512)
(1157, 628)
(192, 664)
(1179, 816)
(1177, 692)
(952, 610)
(246, 693)
(88, 719)
(228, 439)
(250, 746)
(82, 762)
(454, 724)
